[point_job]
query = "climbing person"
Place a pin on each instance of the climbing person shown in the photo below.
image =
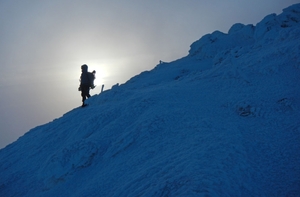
(86, 82)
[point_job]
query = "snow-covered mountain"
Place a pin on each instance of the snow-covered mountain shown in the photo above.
(222, 121)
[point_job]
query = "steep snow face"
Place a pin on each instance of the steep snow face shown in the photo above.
(223, 121)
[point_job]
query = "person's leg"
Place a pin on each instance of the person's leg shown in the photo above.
(88, 93)
(84, 93)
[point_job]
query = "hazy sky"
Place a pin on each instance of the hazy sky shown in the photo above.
(43, 44)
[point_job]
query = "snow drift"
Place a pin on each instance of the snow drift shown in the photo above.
(222, 121)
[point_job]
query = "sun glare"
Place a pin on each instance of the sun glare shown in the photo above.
(102, 70)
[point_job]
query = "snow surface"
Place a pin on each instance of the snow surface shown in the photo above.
(222, 121)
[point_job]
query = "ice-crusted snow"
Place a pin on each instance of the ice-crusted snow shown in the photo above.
(222, 121)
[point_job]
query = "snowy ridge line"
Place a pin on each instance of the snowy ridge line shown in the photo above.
(222, 121)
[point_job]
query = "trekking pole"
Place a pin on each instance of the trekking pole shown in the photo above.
(102, 88)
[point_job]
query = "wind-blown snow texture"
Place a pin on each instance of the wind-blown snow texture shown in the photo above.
(223, 121)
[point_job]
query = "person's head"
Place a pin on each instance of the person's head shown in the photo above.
(84, 68)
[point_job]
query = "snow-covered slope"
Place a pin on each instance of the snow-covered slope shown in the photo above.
(223, 121)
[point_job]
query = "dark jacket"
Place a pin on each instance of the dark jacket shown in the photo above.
(84, 78)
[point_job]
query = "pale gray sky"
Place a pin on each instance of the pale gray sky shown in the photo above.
(43, 44)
